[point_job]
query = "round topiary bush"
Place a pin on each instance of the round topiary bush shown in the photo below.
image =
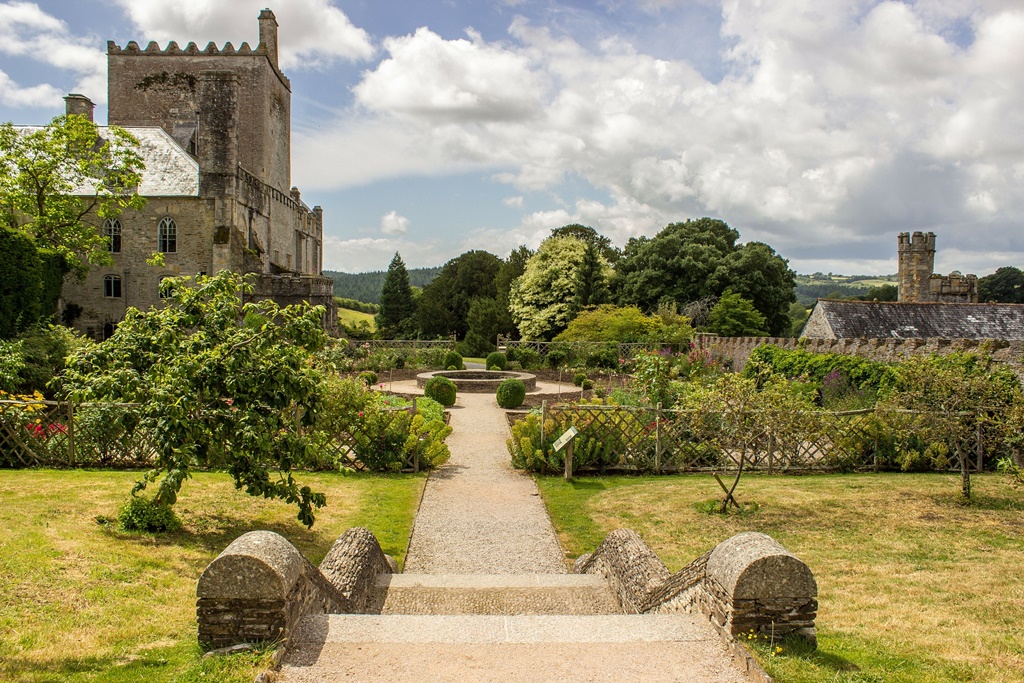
(579, 378)
(452, 361)
(142, 514)
(496, 359)
(441, 389)
(511, 393)
(369, 378)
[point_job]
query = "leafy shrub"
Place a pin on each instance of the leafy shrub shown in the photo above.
(440, 389)
(368, 377)
(579, 378)
(604, 357)
(511, 393)
(528, 358)
(452, 361)
(860, 373)
(586, 385)
(559, 355)
(497, 360)
(142, 514)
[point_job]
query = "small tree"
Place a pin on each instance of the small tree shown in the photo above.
(59, 182)
(957, 395)
(734, 316)
(397, 309)
(220, 384)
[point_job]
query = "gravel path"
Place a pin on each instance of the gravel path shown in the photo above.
(478, 515)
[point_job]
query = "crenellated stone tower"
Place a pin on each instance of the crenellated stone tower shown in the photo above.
(918, 283)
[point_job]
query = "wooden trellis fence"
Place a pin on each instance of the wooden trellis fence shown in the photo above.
(639, 439)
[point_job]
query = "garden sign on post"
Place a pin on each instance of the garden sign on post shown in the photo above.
(562, 441)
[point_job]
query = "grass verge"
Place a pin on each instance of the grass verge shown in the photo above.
(81, 601)
(913, 587)
(347, 316)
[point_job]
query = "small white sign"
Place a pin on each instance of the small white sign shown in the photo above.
(570, 433)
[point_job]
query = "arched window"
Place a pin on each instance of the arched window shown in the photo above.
(167, 236)
(112, 231)
(112, 286)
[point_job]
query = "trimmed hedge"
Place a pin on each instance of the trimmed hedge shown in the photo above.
(496, 359)
(511, 393)
(441, 389)
(452, 361)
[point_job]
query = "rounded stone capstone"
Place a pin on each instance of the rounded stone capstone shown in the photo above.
(752, 565)
(257, 565)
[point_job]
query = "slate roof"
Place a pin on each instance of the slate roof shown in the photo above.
(170, 171)
(885, 319)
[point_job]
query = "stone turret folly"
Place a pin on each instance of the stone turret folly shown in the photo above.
(215, 132)
(919, 284)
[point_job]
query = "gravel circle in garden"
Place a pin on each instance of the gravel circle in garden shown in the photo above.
(478, 515)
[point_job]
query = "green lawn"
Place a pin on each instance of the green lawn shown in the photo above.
(81, 601)
(349, 317)
(913, 587)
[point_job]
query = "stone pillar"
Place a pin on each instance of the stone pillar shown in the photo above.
(916, 261)
(218, 160)
(268, 35)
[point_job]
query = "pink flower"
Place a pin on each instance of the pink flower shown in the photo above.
(360, 413)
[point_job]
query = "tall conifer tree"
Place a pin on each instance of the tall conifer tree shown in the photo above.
(396, 305)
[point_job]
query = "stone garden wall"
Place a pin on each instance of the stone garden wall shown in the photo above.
(738, 349)
(260, 587)
(747, 583)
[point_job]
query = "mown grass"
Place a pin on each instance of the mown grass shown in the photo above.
(81, 601)
(347, 316)
(913, 587)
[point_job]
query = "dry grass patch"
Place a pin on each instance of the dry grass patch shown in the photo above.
(913, 586)
(80, 600)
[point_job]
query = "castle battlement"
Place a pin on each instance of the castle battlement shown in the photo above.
(172, 49)
(917, 281)
(919, 241)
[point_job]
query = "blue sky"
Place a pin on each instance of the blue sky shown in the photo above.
(430, 128)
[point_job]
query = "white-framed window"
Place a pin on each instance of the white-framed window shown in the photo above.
(112, 231)
(112, 286)
(167, 236)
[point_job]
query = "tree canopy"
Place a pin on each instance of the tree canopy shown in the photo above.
(592, 237)
(443, 309)
(58, 183)
(220, 384)
(699, 258)
(1005, 286)
(547, 296)
(734, 316)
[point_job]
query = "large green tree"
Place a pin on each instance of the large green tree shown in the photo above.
(1005, 286)
(734, 316)
(489, 317)
(58, 183)
(220, 385)
(548, 295)
(397, 309)
(689, 261)
(586, 233)
(443, 309)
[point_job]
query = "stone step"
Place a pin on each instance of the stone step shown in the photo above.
(524, 648)
(501, 594)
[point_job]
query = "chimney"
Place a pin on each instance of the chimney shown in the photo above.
(268, 34)
(78, 104)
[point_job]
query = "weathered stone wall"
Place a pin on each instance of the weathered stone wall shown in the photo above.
(738, 349)
(140, 281)
(260, 587)
(747, 583)
(917, 283)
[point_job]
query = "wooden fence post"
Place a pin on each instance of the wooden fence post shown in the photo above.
(980, 445)
(771, 453)
(568, 461)
(543, 411)
(657, 439)
(71, 434)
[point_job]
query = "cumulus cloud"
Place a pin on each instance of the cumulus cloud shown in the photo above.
(353, 255)
(312, 33)
(514, 202)
(27, 31)
(834, 125)
(393, 224)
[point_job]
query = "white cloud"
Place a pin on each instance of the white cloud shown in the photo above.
(27, 31)
(835, 123)
(353, 255)
(393, 224)
(514, 202)
(312, 33)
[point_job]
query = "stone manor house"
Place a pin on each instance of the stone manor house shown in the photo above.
(214, 127)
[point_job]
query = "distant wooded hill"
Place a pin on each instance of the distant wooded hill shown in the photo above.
(366, 286)
(810, 288)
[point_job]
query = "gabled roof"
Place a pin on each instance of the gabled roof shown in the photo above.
(169, 172)
(886, 319)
